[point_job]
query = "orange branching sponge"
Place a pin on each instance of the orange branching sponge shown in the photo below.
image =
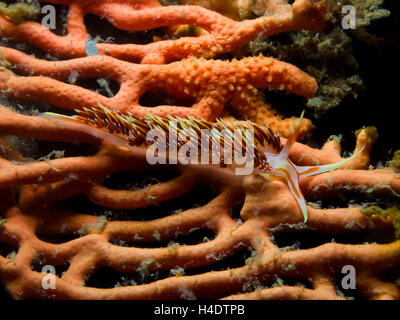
(153, 253)
(209, 84)
(239, 9)
(224, 35)
(96, 243)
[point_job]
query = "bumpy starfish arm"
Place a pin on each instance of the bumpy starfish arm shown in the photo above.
(208, 84)
(252, 104)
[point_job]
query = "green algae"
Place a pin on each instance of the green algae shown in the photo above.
(4, 64)
(333, 90)
(367, 12)
(372, 133)
(327, 56)
(21, 11)
(395, 162)
(385, 213)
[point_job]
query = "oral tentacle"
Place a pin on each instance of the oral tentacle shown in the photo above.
(308, 171)
(292, 138)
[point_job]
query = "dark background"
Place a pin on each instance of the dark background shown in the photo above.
(378, 105)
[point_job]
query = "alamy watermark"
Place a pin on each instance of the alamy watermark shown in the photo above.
(349, 20)
(349, 280)
(49, 20)
(49, 280)
(188, 146)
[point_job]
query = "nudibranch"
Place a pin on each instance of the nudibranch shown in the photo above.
(269, 156)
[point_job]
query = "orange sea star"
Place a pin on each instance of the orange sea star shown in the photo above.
(223, 36)
(210, 83)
